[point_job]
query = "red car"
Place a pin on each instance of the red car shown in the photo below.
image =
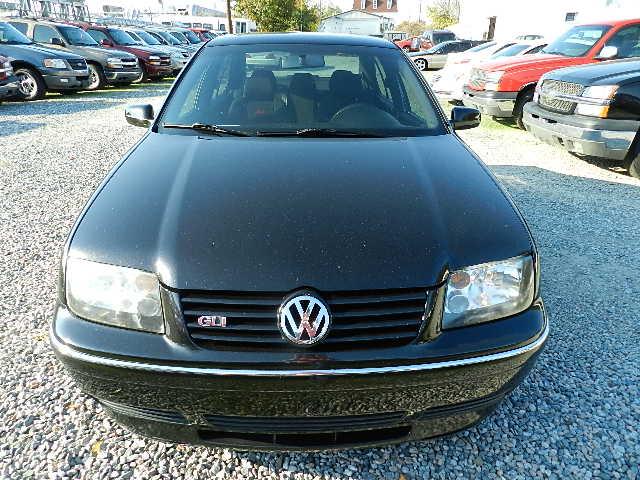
(501, 88)
(155, 63)
(408, 45)
(203, 34)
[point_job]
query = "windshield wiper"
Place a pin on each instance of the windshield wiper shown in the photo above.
(212, 129)
(320, 133)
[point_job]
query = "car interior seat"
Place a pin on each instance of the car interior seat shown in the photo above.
(260, 100)
(345, 88)
(302, 98)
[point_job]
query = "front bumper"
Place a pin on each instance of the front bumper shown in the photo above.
(120, 76)
(595, 137)
(158, 71)
(66, 79)
(9, 88)
(495, 104)
(312, 404)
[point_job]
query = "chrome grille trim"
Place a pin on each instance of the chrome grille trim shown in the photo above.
(556, 95)
(360, 319)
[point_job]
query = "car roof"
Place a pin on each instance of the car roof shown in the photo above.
(301, 37)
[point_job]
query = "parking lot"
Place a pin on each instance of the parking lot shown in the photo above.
(576, 415)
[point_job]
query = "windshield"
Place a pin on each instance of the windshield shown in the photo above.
(482, 46)
(76, 36)
(121, 37)
(577, 41)
(437, 48)
(170, 39)
(138, 40)
(511, 51)
(283, 89)
(147, 38)
(192, 37)
(8, 34)
(178, 36)
(443, 37)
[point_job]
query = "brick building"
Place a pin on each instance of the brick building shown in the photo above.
(376, 6)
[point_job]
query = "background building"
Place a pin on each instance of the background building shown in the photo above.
(357, 22)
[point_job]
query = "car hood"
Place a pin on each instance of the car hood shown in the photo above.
(605, 73)
(276, 214)
(140, 48)
(43, 51)
(525, 62)
(108, 52)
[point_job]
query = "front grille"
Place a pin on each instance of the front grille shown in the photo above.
(360, 319)
(551, 89)
(79, 64)
(129, 63)
(304, 424)
(320, 440)
(165, 61)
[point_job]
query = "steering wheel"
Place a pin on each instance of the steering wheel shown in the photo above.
(360, 113)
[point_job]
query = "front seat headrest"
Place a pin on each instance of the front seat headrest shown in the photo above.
(260, 86)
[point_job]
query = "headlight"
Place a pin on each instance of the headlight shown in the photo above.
(492, 80)
(114, 62)
(154, 57)
(597, 100)
(601, 92)
(489, 291)
(118, 296)
(54, 63)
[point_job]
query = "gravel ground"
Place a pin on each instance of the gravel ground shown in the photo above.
(576, 416)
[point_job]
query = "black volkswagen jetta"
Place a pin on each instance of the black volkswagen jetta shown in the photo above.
(299, 253)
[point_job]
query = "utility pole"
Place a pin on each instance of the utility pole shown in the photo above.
(229, 20)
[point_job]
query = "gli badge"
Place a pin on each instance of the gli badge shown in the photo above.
(212, 321)
(304, 320)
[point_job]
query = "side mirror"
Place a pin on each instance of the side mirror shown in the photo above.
(139, 115)
(106, 43)
(607, 53)
(463, 118)
(57, 41)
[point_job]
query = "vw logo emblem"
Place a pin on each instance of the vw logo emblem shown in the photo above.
(304, 319)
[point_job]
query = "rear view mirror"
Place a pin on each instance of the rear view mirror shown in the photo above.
(313, 61)
(57, 41)
(463, 118)
(106, 43)
(607, 53)
(139, 115)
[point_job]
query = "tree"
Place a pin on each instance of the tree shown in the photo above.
(412, 28)
(329, 10)
(306, 18)
(280, 15)
(444, 13)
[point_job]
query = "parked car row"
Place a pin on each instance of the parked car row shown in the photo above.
(449, 83)
(581, 92)
(436, 57)
(71, 56)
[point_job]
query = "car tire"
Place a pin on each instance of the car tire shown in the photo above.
(634, 166)
(421, 63)
(518, 111)
(31, 86)
(97, 80)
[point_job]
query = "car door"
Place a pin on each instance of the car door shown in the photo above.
(439, 59)
(45, 35)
